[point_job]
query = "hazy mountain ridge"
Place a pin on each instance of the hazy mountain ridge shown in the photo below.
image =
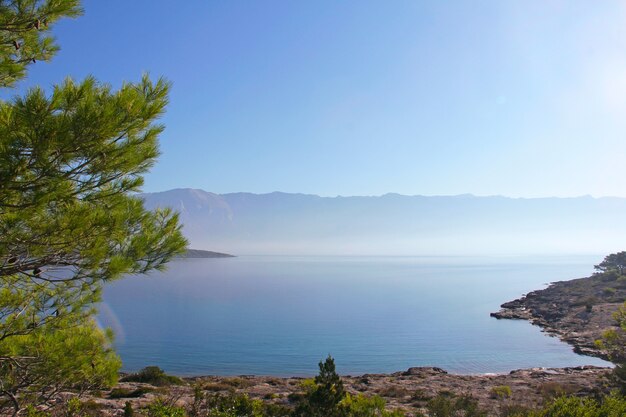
(283, 223)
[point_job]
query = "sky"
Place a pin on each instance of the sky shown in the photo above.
(516, 98)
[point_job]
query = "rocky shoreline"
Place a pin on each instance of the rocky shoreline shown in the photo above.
(409, 390)
(577, 311)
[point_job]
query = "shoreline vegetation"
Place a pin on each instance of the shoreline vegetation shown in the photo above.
(411, 392)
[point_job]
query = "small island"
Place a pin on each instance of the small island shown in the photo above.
(200, 253)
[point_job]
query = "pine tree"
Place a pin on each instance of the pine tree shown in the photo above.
(324, 397)
(70, 162)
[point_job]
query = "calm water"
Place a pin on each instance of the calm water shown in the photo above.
(281, 315)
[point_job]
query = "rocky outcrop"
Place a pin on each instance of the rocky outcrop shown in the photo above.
(577, 311)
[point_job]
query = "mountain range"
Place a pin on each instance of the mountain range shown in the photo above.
(394, 224)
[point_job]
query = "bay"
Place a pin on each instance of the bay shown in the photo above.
(280, 315)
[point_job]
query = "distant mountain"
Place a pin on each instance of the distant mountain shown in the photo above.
(393, 224)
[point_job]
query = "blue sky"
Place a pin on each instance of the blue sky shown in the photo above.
(332, 98)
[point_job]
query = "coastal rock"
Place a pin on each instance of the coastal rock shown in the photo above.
(576, 311)
(423, 370)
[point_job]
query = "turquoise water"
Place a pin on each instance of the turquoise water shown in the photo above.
(281, 315)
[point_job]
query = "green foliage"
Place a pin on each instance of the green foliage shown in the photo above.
(614, 343)
(608, 291)
(551, 390)
(25, 30)
(323, 398)
(128, 409)
(70, 163)
(446, 404)
(362, 406)
(31, 411)
(501, 392)
(613, 405)
(160, 408)
(49, 358)
(615, 262)
(73, 407)
(129, 393)
(233, 405)
(153, 375)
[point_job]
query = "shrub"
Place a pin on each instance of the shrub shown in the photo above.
(614, 343)
(33, 412)
(613, 405)
(608, 291)
(160, 409)
(362, 406)
(234, 405)
(73, 407)
(420, 395)
(550, 390)
(446, 404)
(128, 409)
(129, 393)
(153, 375)
(514, 410)
(501, 392)
(238, 382)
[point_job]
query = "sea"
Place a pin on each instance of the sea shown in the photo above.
(281, 315)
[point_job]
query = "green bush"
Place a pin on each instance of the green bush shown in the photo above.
(446, 404)
(608, 291)
(33, 412)
(233, 405)
(129, 393)
(160, 409)
(551, 390)
(362, 406)
(128, 409)
(613, 405)
(153, 375)
(420, 395)
(501, 392)
(325, 396)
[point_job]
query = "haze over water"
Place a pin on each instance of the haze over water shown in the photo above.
(281, 315)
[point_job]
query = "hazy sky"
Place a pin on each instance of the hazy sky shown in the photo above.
(519, 98)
